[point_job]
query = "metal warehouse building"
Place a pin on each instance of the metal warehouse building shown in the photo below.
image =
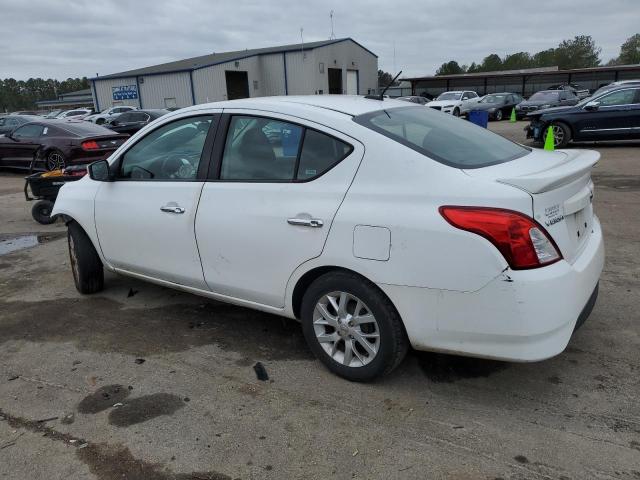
(331, 66)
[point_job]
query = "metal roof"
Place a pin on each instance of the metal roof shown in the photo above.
(528, 71)
(204, 61)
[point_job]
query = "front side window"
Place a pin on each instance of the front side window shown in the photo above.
(264, 149)
(171, 152)
(443, 138)
(28, 131)
(620, 97)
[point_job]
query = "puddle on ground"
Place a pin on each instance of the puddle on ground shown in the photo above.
(147, 407)
(15, 242)
(103, 398)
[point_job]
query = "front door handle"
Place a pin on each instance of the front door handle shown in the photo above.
(306, 222)
(172, 208)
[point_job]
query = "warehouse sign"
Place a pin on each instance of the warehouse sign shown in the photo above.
(125, 92)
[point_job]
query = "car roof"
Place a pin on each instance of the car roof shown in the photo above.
(75, 127)
(346, 104)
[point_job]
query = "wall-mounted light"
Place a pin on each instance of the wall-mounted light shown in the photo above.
(237, 64)
(141, 80)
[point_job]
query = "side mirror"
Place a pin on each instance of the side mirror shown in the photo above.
(592, 105)
(99, 171)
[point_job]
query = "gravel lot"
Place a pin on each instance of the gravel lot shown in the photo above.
(192, 407)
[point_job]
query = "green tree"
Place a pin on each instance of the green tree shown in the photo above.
(630, 51)
(473, 68)
(449, 68)
(491, 63)
(581, 52)
(517, 61)
(544, 58)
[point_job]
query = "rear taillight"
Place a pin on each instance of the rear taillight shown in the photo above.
(90, 145)
(522, 241)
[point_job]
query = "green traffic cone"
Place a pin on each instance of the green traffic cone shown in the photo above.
(549, 141)
(513, 115)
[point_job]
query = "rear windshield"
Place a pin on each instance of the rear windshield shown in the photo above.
(442, 137)
(83, 128)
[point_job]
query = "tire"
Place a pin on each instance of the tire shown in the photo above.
(100, 121)
(55, 160)
(456, 112)
(561, 134)
(385, 335)
(41, 212)
(498, 115)
(86, 266)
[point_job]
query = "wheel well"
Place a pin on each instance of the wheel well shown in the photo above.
(565, 124)
(312, 275)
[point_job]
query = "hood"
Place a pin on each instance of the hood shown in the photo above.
(442, 103)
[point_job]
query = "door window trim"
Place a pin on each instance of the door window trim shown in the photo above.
(214, 171)
(205, 156)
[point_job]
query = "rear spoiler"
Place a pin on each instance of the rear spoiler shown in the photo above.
(576, 164)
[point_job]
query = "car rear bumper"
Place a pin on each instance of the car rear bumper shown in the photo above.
(525, 315)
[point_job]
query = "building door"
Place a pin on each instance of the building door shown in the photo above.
(237, 84)
(335, 80)
(352, 82)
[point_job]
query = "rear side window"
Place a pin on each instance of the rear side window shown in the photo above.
(270, 150)
(442, 137)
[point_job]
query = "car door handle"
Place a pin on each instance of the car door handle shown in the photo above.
(305, 222)
(172, 209)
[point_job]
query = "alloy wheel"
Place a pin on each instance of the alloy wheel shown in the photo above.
(346, 329)
(558, 135)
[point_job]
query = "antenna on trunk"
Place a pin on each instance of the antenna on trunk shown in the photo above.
(381, 96)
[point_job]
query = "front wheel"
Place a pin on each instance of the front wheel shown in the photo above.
(498, 115)
(352, 327)
(86, 266)
(100, 121)
(456, 112)
(561, 134)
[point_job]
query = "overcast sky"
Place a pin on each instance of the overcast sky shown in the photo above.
(69, 38)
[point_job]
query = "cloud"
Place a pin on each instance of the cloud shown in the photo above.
(49, 38)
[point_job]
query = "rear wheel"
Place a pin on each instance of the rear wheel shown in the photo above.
(86, 266)
(41, 212)
(55, 160)
(352, 327)
(561, 134)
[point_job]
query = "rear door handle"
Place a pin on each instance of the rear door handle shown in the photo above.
(172, 208)
(305, 222)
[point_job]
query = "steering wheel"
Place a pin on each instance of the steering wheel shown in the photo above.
(176, 165)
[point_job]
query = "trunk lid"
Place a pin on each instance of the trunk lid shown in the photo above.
(561, 189)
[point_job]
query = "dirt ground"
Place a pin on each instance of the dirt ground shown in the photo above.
(141, 382)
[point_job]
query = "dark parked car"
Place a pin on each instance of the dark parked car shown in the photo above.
(546, 99)
(499, 105)
(11, 122)
(57, 143)
(131, 122)
(613, 115)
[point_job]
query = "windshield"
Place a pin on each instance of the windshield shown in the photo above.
(444, 138)
(449, 96)
(493, 99)
(543, 96)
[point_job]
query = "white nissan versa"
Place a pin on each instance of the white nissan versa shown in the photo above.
(377, 224)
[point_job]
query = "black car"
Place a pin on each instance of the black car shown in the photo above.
(11, 122)
(613, 115)
(546, 99)
(131, 122)
(499, 105)
(580, 91)
(55, 144)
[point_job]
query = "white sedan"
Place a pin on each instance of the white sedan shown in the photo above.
(106, 116)
(454, 102)
(378, 224)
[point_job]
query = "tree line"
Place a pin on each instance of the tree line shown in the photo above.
(23, 94)
(579, 52)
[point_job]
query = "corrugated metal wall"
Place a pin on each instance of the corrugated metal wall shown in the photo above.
(272, 67)
(105, 94)
(210, 84)
(154, 89)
